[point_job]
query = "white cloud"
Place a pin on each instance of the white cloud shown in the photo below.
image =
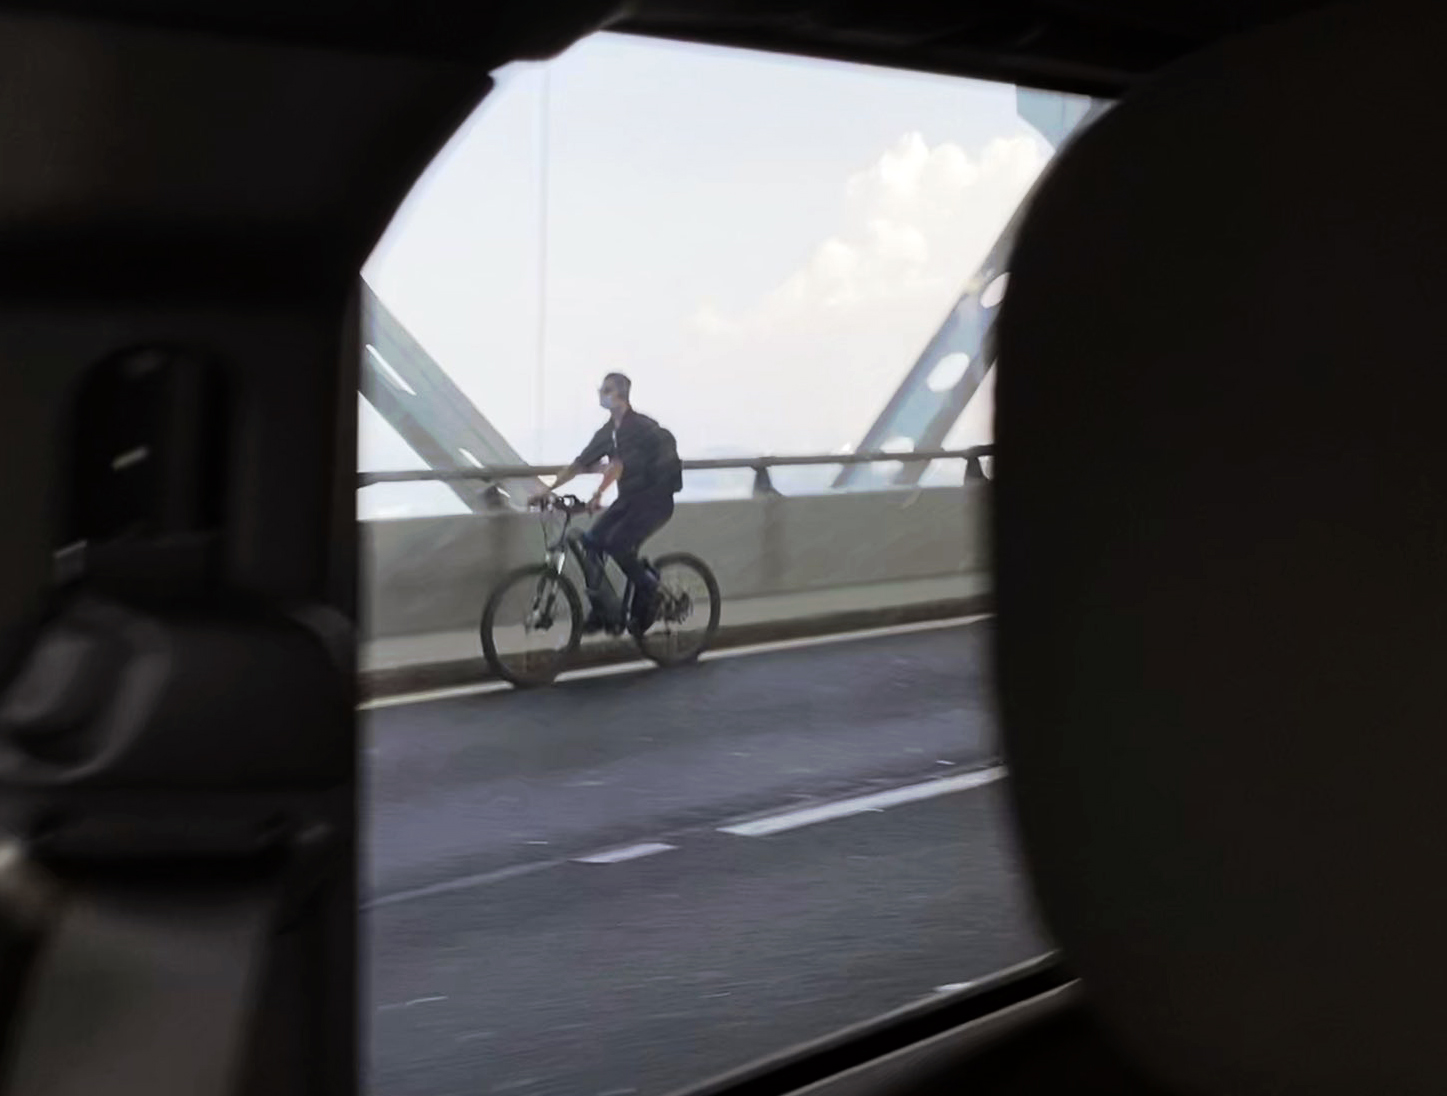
(915, 225)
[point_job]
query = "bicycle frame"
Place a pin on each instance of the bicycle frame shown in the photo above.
(557, 551)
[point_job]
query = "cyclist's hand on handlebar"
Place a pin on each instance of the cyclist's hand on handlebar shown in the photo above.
(595, 504)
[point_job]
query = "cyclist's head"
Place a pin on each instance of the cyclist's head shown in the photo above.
(614, 391)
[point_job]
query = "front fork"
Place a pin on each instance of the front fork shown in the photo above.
(546, 598)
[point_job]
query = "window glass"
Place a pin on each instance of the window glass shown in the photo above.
(660, 862)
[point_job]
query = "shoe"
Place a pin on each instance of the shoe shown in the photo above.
(646, 613)
(594, 624)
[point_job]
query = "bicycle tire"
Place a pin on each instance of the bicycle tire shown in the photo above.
(654, 652)
(537, 574)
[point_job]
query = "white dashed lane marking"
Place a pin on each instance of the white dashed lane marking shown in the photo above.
(752, 827)
(628, 852)
(876, 801)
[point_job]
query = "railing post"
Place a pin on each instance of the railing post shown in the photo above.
(495, 498)
(763, 485)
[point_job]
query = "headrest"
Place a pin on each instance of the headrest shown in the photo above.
(1222, 558)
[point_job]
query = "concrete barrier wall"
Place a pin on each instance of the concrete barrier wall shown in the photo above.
(432, 574)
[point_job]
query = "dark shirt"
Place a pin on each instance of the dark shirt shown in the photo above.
(637, 443)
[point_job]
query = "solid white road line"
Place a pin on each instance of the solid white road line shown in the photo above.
(482, 688)
(876, 801)
(827, 638)
(466, 882)
(628, 852)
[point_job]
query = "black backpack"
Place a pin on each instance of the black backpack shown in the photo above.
(670, 467)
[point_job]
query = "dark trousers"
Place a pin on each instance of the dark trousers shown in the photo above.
(619, 532)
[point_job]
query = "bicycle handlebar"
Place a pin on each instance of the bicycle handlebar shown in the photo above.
(568, 504)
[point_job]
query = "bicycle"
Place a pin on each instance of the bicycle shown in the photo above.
(552, 609)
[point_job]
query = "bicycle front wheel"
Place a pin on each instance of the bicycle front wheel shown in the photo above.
(686, 611)
(531, 626)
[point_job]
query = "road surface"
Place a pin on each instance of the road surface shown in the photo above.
(628, 883)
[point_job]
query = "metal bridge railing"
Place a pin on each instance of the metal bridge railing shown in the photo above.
(763, 484)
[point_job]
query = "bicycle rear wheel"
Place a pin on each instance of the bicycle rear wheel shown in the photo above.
(531, 626)
(686, 612)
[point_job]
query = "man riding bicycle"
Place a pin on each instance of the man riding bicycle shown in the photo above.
(643, 462)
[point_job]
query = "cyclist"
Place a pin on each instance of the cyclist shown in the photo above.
(643, 462)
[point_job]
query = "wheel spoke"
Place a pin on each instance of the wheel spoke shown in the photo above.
(686, 613)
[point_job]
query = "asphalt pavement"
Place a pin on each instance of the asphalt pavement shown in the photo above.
(625, 884)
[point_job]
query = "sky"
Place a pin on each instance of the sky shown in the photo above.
(763, 244)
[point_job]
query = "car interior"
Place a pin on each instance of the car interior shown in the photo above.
(1219, 530)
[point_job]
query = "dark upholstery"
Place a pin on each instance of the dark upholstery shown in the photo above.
(1222, 537)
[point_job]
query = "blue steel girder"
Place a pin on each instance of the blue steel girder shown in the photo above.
(423, 404)
(918, 413)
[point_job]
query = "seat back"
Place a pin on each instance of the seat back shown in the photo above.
(1222, 558)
